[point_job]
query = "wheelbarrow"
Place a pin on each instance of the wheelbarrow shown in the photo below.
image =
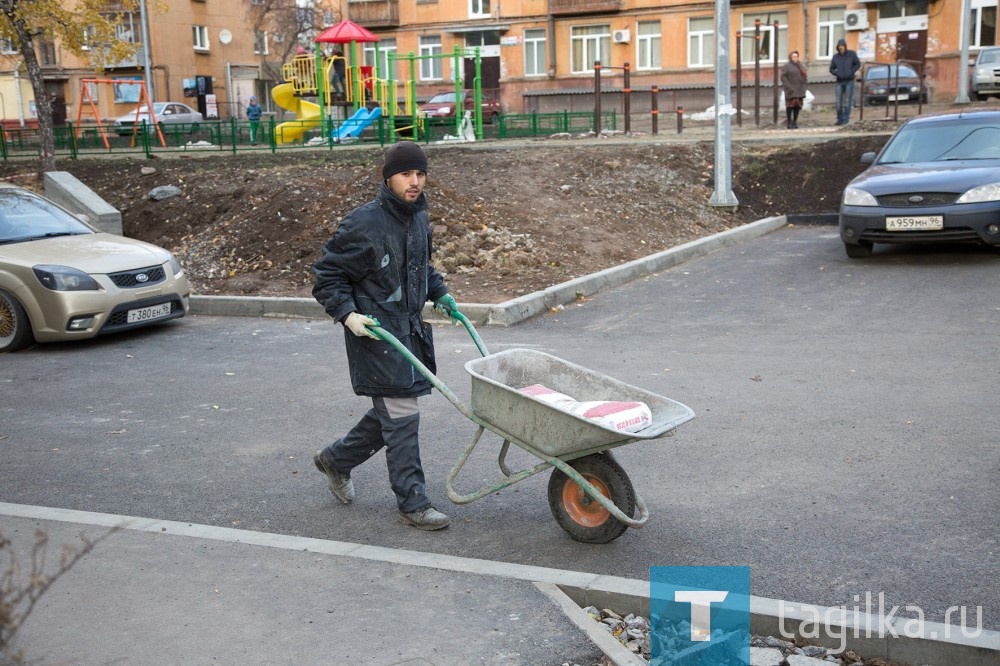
(589, 494)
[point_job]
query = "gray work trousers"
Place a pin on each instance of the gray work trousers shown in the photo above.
(391, 423)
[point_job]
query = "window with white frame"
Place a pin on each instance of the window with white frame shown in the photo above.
(983, 24)
(89, 35)
(647, 46)
(766, 45)
(479, 8)
(260, 42)
(200, 35)
(829, 31)
(535, 62)
(7, 46)
(430, 68)
(701, 41)
(589, 44)
(92, 89)
(381, 68)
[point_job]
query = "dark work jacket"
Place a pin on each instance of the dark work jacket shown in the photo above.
(844, 65)
(378, 264)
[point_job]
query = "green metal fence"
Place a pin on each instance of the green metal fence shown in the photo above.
(232, 136)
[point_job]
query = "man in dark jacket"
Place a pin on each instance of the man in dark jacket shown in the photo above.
(844, 65)
(376, 271)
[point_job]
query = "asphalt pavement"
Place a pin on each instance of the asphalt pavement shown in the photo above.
(845, 443)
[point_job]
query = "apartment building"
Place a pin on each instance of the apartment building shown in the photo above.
(532, 49)
(537, 54)
(200, 52)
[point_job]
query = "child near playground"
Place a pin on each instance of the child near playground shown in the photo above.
(253, 115)
(339, 73)
(376, 271)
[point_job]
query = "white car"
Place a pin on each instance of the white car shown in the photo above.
(166, 113)
(985, 78)
(61, 279)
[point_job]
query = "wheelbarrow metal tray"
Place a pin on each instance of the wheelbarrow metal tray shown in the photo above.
(554, 432)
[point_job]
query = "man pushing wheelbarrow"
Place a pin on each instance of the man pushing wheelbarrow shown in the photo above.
(375, 278)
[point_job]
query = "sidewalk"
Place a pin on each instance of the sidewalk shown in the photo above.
(161, 592)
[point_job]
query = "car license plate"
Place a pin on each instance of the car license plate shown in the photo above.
(147, 314)
(915, 223)
(901, 98)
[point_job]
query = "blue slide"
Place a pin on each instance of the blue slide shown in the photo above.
(353, 126)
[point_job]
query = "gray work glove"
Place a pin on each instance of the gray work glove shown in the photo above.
(358, 325)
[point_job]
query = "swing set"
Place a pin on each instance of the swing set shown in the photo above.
(87, 101)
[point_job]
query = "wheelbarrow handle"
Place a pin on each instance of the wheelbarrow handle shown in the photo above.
(459, 317)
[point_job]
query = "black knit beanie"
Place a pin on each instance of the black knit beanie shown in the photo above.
(403, 156)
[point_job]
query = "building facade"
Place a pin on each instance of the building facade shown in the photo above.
(209, 54)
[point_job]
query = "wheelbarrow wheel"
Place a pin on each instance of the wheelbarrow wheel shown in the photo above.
(583, 518)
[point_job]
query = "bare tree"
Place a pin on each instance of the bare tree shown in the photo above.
(290, 25)
(76, 26)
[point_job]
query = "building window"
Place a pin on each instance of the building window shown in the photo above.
(200, 33)
(260, 42)
(901, 8)
(7, 46)
(534, 52)
(46, 53)
(430, 68)
(647, 47)
(385, 47)
(479, 8)
(701, 42)
(830, 30)
(767, 37)
(92, 89)
(983, 24)
(589, 44)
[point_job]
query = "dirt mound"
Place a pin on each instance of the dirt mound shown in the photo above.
(507, 220)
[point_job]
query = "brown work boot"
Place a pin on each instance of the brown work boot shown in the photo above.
(340, 484)
(427, 518)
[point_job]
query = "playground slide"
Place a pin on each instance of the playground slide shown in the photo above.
(306, 114)
(357, 123)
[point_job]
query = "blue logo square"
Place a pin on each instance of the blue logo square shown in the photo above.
(699, 616)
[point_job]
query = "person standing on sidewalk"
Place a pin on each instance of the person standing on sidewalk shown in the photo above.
(844, 65)
(376, 271)
(254, 113)
(793, 82)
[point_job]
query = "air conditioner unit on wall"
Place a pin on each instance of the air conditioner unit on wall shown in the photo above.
(621, 36)
(856, 19)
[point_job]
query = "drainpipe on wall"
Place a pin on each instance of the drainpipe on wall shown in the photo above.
(166, 78)
(147, 63)
(17, 84)
(552, 45)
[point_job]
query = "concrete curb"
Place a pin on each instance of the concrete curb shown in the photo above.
(513, 311)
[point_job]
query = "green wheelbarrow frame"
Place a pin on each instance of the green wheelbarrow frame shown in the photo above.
(576, 438)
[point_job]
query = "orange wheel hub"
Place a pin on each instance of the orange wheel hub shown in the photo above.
(580, 507)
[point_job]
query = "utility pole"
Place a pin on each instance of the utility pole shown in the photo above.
(723, 196)
(963, 58)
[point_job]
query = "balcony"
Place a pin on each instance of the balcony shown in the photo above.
(374, 13)
(577, 7)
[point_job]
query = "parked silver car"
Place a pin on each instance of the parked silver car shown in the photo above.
(985, 77)
(61, 279)
(166, 113)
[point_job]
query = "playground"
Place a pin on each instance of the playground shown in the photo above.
(337, 98)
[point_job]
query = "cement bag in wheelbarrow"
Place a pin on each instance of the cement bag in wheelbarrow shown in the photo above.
(617, 415)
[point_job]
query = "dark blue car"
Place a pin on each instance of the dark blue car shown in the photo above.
(936, 180)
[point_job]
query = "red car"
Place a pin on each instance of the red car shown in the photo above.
(443, 105)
